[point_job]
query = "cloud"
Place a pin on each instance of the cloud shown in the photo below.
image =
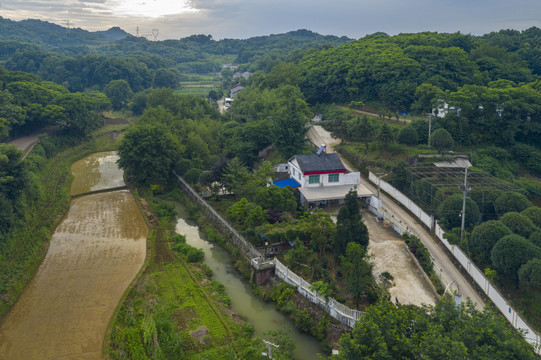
(247, 18)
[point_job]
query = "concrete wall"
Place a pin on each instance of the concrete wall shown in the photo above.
(335, 309)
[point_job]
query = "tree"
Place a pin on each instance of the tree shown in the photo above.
(166, 78)
(510, 253)
(510, 201)
(256, 217)
(119, 92)
(534, 214)
(518, 223)
(449, 212)
(288, 123)
(358, 271)
(192, 175)
(408, 135)
(484, 237)
(297, 255)
(235, 175)
(238, 211)
(321, 229)
(399, 175)
(350, 226)
(535, 238)
(148, 152)
(385, 135)
(445, 331)
(276, 198)
(529, 274)
(441, 140)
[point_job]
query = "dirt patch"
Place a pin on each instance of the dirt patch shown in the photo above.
(200, 334)
(391, 255)
(116, 121)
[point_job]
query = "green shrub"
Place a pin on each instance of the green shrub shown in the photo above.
(282, 293)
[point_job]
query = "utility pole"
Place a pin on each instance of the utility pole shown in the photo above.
(465, 190)
(429, 128)
(380, 175)
(272, 347)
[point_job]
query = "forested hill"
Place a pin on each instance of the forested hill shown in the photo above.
(389, 69)
(52, 36)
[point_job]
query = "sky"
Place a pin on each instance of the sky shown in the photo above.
(240, 19)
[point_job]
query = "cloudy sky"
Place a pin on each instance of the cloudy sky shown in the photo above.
(246, 18)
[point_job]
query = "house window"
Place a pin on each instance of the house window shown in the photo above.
(294, 172)
(334, 178)
(313, 179)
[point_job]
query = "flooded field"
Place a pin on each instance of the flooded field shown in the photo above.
(96, 172)
(93, 256)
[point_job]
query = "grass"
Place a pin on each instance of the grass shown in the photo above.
(176, 302)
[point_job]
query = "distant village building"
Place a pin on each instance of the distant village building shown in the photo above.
(322, 179)
(229, 66)
(245, 75)
(235, 89)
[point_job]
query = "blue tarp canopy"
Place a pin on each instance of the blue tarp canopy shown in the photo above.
(287, 182)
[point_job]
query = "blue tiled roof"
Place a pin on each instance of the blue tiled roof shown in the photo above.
(287, 182)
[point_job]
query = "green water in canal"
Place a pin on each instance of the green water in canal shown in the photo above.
(264, 316)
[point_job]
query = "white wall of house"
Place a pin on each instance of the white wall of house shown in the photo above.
(343, 178)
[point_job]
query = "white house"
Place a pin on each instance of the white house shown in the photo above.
(323, 179)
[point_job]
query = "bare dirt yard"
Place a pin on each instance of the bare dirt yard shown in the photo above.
(392, 255)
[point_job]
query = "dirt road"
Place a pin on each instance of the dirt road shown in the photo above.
(444, 265)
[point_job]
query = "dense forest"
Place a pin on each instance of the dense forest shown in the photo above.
(483, 94)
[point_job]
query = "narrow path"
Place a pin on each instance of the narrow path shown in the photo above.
(363, 112)
(445, 266)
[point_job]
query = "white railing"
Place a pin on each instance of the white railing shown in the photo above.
(335, 309)
(491, 292)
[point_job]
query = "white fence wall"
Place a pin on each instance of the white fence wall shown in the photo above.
(492, 293)
(335, 309)
(403, 199)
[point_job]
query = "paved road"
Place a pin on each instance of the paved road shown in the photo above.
(25, 143)
(444, 265)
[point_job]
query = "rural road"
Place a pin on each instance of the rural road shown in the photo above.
(444, 265)
(25, 143)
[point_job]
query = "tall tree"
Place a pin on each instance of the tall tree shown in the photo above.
(358, 271)
(288, 122)
(510, 253)
(119, 92)
(350, 226)
(148, 152)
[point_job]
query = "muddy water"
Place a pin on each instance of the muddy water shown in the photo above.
(93, 255)
(96, 172)
(262, 315)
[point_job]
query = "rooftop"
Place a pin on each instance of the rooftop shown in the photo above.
(323, 162)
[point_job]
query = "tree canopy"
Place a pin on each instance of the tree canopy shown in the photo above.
(446, 331)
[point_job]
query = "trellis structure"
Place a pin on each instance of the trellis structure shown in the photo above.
(430, 184)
